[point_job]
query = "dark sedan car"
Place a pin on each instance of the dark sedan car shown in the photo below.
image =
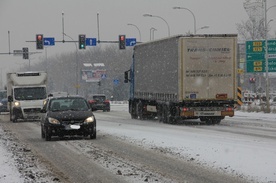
(99, 102)
(69, 115)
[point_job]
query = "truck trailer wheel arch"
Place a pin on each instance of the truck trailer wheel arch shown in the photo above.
(139, 109)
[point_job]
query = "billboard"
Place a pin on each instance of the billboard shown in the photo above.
(92, 75)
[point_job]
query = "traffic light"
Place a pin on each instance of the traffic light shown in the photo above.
(122, 42)
(82, 43)
(99, 83)
(252, 80)
(25, 53)
(39, 41)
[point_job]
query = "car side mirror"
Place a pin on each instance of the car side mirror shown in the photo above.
(43, 110)
(10, 99)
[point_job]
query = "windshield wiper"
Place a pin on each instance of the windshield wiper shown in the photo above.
(55, 110)
(74, 109)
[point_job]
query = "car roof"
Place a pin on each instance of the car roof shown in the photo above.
(57, 94)
(92, 95)
(64, 97)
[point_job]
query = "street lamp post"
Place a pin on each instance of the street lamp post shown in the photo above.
(149, 15)
(191, 13)
(266, 57)
(266, 64)
(137, 29)
(204, 27)
(152, 33)
(77, 65)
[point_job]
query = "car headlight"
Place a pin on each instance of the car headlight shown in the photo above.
(89, 119)
(16, 104)
(53, 121)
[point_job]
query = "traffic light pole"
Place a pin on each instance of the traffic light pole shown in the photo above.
(77, 64)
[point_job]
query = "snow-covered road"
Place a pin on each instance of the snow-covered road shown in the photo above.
(241, 154)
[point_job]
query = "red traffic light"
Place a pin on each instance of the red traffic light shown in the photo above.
(122, 42)
(39, 41)
(122, 38)
(39, 37)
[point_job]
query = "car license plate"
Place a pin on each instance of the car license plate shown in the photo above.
(75, 127)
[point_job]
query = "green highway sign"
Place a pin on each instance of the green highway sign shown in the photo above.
(255, 56)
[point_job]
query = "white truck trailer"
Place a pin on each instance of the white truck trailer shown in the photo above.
(184, 77)
(26, 92)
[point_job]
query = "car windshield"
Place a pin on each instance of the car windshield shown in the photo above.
(64, 104)
(99, 98)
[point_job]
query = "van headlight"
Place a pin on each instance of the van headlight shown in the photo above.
(53, 121)
(89, 119)
(16, 104)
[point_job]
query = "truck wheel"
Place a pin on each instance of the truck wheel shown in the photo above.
(132, 111)
(140, 111)
(47, 134)
(209, 121)
(159, 113)
(212, 120)
(166, 114)
(134, 116)
(10, 115)
(216, 120)
(14, 118)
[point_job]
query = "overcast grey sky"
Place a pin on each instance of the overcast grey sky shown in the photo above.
(26, 18)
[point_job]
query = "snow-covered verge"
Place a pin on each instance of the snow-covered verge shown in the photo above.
(19, 164)
(250, 157)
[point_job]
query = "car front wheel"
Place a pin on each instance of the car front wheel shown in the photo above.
(47, 134)
(93, 133)
(42, 132)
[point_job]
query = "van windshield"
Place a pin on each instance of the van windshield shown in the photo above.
(32, 93)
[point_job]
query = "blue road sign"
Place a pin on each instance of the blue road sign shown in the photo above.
(116, 81)
(91, 41)
(49, 41)
(130, 41)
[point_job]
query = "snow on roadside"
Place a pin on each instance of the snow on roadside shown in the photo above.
(19, 164)
(9, 172)
(250, 157)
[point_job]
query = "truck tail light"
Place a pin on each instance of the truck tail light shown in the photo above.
(185, 109)
(106, 101)
(228, 109)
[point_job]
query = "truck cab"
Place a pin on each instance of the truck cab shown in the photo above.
(26, 94)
